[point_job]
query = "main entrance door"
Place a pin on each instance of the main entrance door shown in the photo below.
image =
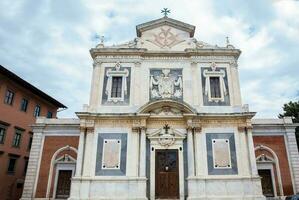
(167, 174)
(64, 184)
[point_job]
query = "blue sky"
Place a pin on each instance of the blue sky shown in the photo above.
(47, 42)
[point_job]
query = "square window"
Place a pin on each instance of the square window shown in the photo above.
(2, 134)
(36, 111)
(215, 87)
(116, 89)
(17, 138)
(30, 142)
(24, 104)
(25, 167)
(11, 165)
(49, 114)
(9, 96)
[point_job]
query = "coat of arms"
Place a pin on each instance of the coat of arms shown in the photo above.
(166, 85)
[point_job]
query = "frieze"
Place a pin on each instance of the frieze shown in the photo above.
(114, 122)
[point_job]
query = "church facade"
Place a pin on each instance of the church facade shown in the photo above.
(165, 121)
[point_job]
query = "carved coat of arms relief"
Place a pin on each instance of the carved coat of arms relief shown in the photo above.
(166, 38)
(166, 85)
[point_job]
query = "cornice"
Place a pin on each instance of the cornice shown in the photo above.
(93, 116)
(143, 53)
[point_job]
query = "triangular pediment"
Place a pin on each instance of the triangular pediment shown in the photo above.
(165, 21)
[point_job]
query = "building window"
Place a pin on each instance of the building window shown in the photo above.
(9, 97)
(30, 142)
(11, 165)
(25, 166)
(36, 111)
(215, 87)
(2, 134)
(24, 105)
(17, 138)
(116, 90)
(116, 84)
(49, 114)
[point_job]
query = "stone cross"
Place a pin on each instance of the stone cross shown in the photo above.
(166, 127)
(165, 11)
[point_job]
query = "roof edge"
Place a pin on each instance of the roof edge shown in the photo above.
(30, 87)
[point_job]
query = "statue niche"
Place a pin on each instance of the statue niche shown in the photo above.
(166, 83)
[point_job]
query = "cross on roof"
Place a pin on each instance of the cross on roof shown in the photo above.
(165, 11)
(166, 127)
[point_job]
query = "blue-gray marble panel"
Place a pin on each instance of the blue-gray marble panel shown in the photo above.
(123, 156)
(232, 146)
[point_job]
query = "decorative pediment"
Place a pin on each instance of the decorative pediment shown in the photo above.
(165, 21)
(264, 158)
(66, 158)
(166, 136)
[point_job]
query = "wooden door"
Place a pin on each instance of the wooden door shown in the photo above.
(167, 174)
(267, 185)
(63, 184)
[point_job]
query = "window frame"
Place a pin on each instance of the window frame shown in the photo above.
(48, 114)
(14, 167)
(118, 71)
(215, 88)
(20, 133)
(21, 106)
(26, 160)
(39, 110)
(4, 128)
(29, 146)
(7, 99)
(219, 74)
(119, 86)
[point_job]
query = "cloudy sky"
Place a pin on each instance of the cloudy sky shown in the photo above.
(47, 42)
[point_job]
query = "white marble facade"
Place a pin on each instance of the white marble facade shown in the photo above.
(166, 76)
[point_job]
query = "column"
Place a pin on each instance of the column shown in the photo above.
(251, 152)
(236, 84)
(87, 160)
(33, 165)
(136, 90)
(293, 155)
(80, 156)
(190, 152)
(95, 85)
(142, 154)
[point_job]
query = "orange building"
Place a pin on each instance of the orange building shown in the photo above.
(20, 104)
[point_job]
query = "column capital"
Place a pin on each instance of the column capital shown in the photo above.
(233, 63)
(193, 124)
(137, 63)
(87, 125)
(97, 62)
(242, 127)
(139, 124)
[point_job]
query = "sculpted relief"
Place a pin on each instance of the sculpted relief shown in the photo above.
(166, 83)
(166, 38)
